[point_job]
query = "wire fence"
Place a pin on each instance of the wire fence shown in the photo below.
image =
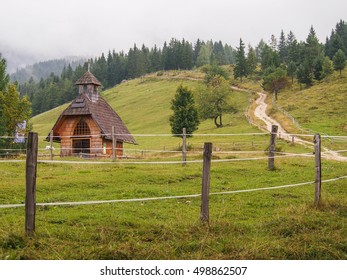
(92, 202)
(11, 150)
(206, 161)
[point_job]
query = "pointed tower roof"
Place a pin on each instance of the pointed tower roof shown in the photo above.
(87, 79)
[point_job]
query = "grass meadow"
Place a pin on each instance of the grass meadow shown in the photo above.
(269, 224)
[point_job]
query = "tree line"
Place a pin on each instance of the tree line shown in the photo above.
(283, 59)
(276, 63)
(113, 68)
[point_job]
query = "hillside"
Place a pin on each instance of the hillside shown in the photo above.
(44, 69)
(254, 214)
(144, 106)
(322, 107)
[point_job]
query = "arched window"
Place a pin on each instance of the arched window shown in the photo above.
(81, 128)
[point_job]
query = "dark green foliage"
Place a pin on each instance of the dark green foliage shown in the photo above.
(251, 61)
(269, 58)
(318, 67)
(313, 50)
(185, 114)
(339, 60)
(54, 90)
(240, 69)
(291, 70)
(337, 40)
(304, 75)
(112, 69)
(282, 47)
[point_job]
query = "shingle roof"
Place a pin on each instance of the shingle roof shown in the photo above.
(88, 78)
(103, 115)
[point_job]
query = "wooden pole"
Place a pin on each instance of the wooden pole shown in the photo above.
(114, 144)
(204, 212)
(30, 197)
(51, 145)
(318, 163)
(184, 146)
(272, 147)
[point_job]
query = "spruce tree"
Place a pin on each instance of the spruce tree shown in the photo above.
(185, 115)
(251, 61)
(339, 60)
(240, 69)
(282, 47)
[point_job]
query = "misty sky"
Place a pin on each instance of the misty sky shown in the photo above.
(48, 29)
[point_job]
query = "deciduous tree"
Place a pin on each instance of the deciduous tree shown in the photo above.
(15, 110)
(276, 81)
(214, 100)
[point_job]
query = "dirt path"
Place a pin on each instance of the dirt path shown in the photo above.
(260, 113)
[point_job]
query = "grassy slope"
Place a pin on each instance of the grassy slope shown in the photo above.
(277, 224)
(322, 107)
(144, 106)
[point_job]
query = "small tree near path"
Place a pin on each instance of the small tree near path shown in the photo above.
(276, 81)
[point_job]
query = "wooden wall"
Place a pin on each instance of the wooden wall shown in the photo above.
(66, 130)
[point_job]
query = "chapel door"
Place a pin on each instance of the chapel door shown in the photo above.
(81, 146)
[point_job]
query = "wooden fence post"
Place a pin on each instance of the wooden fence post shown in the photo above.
(114, 144)
(318, 164)
(184, 146)
(204, 212)
(51, 145)
(272, 147)
(30, 197)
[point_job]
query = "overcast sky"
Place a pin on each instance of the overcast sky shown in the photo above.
(55, 28)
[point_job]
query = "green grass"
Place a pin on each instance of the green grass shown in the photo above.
(322, 107)
(273, 224)
(144, 106)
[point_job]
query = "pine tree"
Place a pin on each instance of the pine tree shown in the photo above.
(185, 114)
(312, 50)
(197, 48)
(251, 61)
(282, 47)
(304, 75)
(240, 69)
(291, 70)
(339, 60)
(292, 48)
(155, 58)
(327, 68)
